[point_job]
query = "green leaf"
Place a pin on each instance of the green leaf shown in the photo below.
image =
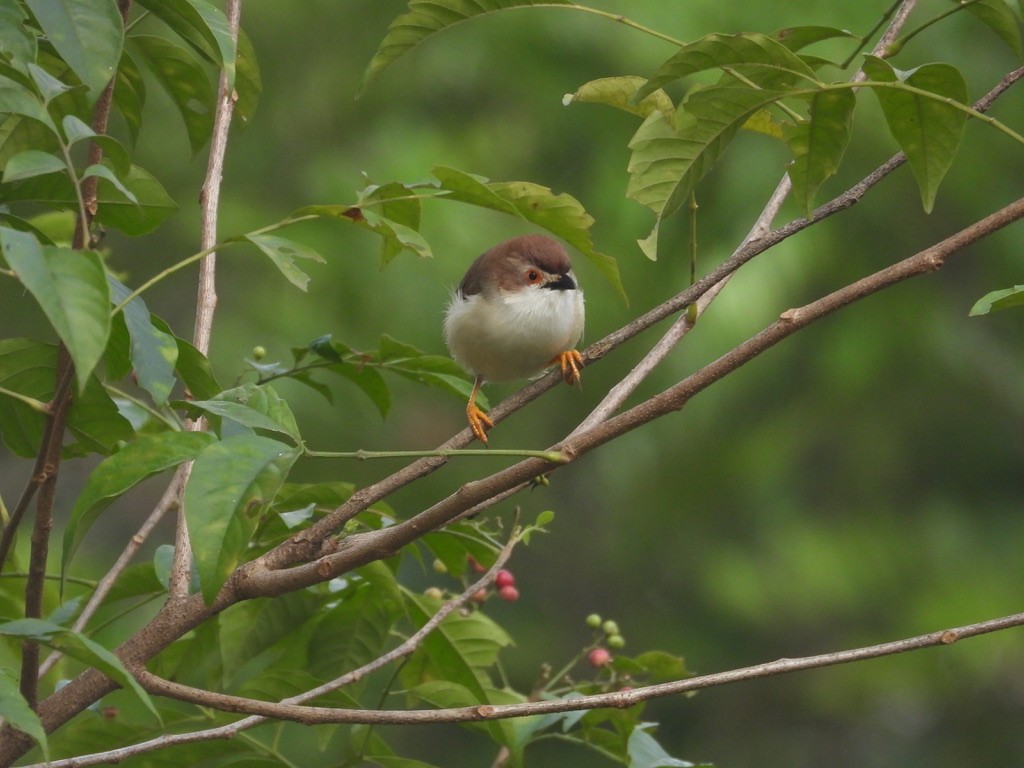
(96, 421)
(30, 163)
(254, 406)
(71, 288)
(397, 236)
(454, 545)
(232, 482)
(396, 203)
(350, 365)
(432, 370)
(29, 367)
(119, 473)
(103, 172)
(818, 145)
(358, 629)
(49, 86)
(77, 131)
(459, 651)
(998, 16)
(393, 761)
(927, 129)
(660, 667)
(762, 121)
(996, 300)
(255, 632)
(153, 352)
(16, 99)
(13, 707)
(667, 163)
(618, 92)
(17, 44)
(115, 210)
(797, 38)
(283, 253)
(462, 648)
(248, 82)
(193, 367)
(645, 752)
(717, 51)
(80, 647)
(202, 26)
(130, 94)
(561, 215)
(185, 81)
(424, 18)
(443, 694)
(88, 35)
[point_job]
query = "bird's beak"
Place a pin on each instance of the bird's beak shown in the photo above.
(561, 283)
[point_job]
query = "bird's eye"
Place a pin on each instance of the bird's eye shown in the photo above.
(532, 276)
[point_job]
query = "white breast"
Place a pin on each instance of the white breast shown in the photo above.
(514, 334)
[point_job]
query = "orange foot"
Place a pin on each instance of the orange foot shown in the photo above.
(570, 363)
(479, 422)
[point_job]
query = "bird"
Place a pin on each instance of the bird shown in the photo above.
(517, 312)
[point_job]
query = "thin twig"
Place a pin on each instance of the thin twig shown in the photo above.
(53, 440)
(616, 699)
(206, 300)
(684, 323)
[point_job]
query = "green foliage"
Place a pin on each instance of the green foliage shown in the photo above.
(990, 302)
(928, 129)
(80, 647)
(138, 385)
(425, 17)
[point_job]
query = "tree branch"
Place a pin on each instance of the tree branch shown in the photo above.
(316, 541)
(48, 460)
(206, 300)
(618, 699)
(49, 451)
(254, 579)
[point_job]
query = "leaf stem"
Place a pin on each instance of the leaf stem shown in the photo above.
(790, 112)
(31, 402)
(898, 86)
(206, 252)
(863, 40)
(619, 18)
(894, 47)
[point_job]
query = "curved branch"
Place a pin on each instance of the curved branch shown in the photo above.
(262, 710)
(354, 551)
(315, 542)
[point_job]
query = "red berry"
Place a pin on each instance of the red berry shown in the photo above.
(475, 565)
(599, 657)
(509, 593)
(479, 596)
(505, 579)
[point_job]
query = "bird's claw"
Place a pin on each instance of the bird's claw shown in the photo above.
(479, 422)
(570, 363)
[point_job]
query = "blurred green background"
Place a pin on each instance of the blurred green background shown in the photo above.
(861, 482)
